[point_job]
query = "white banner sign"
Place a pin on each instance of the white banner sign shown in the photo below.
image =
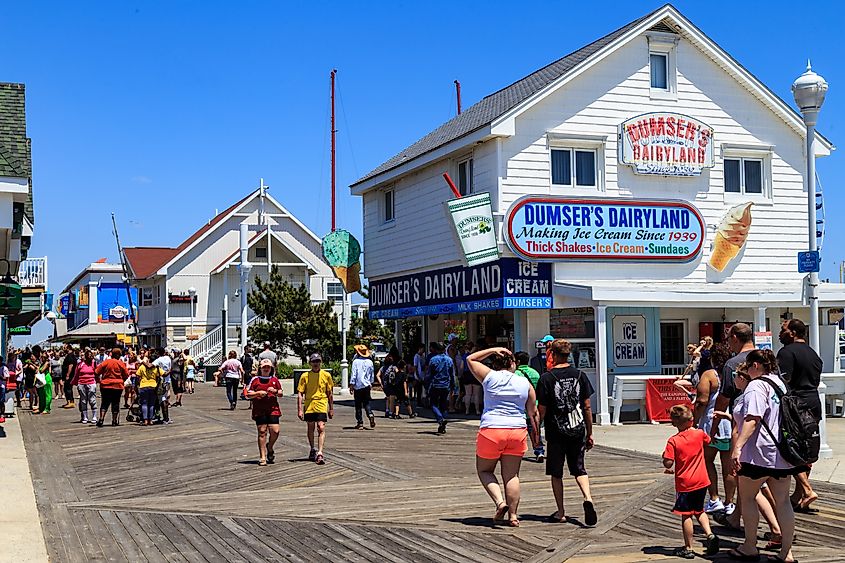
(472, 216)
(629, 341)
(666, 144)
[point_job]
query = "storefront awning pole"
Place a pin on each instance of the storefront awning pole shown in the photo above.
(603, 413)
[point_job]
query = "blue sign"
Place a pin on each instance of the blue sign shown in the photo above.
(808, 262)
(508, 283)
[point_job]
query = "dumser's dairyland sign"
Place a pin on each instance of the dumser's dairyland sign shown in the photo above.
(666, 144)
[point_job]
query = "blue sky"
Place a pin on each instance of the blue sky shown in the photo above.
(165, 111)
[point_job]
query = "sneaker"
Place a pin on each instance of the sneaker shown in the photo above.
(712, 506)
(711, 545)
(441, 427)
(99, 424)
(372, 421)
(168, 422)
(540, 453)
(729, 508)
(357, 427)
(313, 455)
(84, 421)
(684, 553)
(271, 456)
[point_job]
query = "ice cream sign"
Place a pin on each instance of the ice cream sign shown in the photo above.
(550, 228)
(666, 144)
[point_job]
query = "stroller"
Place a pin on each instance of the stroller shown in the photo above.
(134, 412)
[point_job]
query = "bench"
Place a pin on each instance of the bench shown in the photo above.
(630, 388)
(834, 395)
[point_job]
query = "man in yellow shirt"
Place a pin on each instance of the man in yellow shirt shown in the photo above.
(315, 404)
(148, 377)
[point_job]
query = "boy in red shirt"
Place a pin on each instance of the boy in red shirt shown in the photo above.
(685, 450)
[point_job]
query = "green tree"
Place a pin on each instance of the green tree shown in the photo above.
(291, 321)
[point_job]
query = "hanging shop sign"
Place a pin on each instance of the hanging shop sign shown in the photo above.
(666, 144)
(551, 228)
(629, 341)
(118, 313)
(508, 283)
(181, 298)
(472, 217)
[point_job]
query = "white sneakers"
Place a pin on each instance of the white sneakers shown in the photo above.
(714, 506)
(729, 508)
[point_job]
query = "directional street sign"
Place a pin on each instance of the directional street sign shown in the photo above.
(808, 262)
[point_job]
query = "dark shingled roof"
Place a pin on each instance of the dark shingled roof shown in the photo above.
(15, 146)
(497, 104)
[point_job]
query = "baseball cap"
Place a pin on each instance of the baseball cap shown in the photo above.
(548, 338)
(265, 362)
(315, 357)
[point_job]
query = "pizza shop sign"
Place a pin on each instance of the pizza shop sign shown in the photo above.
(666, 144)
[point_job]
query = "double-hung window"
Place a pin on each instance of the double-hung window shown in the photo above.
(747, 171)
(465, 176)
(389, 206)
(574, 166)
(662, 65)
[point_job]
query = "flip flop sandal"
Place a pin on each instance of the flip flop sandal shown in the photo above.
(740, 556)
(499, 516)
(320, 460)
(262, 462)
(554, 519)
(514, 523)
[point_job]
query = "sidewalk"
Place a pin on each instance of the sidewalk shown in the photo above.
(20, 526)
(651, 438)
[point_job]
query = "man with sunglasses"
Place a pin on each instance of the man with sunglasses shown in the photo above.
(315, 404)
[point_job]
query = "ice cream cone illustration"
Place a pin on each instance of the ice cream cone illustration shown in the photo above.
(342, 252)
(349, 276)
(731, 236)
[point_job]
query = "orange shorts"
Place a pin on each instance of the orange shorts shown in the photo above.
(493, 443)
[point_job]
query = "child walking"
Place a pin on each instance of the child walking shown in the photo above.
(685, 451)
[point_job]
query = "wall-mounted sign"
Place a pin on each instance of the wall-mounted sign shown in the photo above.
(763, 340)
(177, 298)
(629, 341)
(551, 228)
(508, 283)
(731, 235)
(20, 330)
(666, 144)
(472, 216)
(118, 313)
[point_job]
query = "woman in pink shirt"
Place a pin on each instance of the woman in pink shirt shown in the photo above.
(86, 383)
(233, 373)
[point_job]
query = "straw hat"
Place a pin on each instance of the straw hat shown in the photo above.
(362, 350)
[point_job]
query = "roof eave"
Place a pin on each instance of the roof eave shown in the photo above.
(474, 137)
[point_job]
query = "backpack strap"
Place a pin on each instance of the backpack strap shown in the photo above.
(779, 392)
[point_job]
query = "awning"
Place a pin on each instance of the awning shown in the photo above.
(692, 294)
(95, 332)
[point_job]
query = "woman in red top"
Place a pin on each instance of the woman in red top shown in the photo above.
(111, 374)
(86, 384)
(263, 390)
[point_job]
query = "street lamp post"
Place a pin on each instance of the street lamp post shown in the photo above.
(809, 90)
(192, 293)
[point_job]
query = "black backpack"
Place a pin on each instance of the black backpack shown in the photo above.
(799, 439)
(390, 376)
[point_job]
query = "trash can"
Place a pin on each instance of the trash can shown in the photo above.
(297, 373)
(209, 372)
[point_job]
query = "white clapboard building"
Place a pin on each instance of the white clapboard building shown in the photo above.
(649, 178)
(208, 261)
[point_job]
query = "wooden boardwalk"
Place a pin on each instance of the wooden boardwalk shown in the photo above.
(192, 492)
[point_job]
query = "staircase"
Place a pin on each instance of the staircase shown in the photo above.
(210, 348)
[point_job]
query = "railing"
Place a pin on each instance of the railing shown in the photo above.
(673, 369)
(33, 272)
(206, 345)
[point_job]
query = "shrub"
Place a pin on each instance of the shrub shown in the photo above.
(285, 370)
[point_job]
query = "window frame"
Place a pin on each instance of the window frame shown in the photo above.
(146, 300)
(334, 296)
(665, 57)
(468, 162)
(665, 44)
(575, 143)
(683, 342)
(743, 154)
(391, 191)
(263, 249)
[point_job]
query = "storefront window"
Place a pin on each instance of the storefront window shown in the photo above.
(572, 323)
(672, 345)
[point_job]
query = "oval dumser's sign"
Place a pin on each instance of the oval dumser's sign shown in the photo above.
(666, 144)
(552, 228)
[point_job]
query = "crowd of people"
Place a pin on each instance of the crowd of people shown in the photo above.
(149, 381)
(738, 398)
(743, 398)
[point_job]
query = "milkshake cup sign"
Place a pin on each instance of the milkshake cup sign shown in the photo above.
(343, 253)
(472, 216)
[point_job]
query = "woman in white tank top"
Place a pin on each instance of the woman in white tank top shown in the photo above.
(509, 401)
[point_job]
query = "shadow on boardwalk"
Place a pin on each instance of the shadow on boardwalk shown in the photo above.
(191, 491)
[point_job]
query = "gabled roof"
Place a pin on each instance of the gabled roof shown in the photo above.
(145, 261)
(519, 95)
(15, 146)
(234, 256)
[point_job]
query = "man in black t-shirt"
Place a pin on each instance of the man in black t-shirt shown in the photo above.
(563, 395)
(802, 371)
(247, 361)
